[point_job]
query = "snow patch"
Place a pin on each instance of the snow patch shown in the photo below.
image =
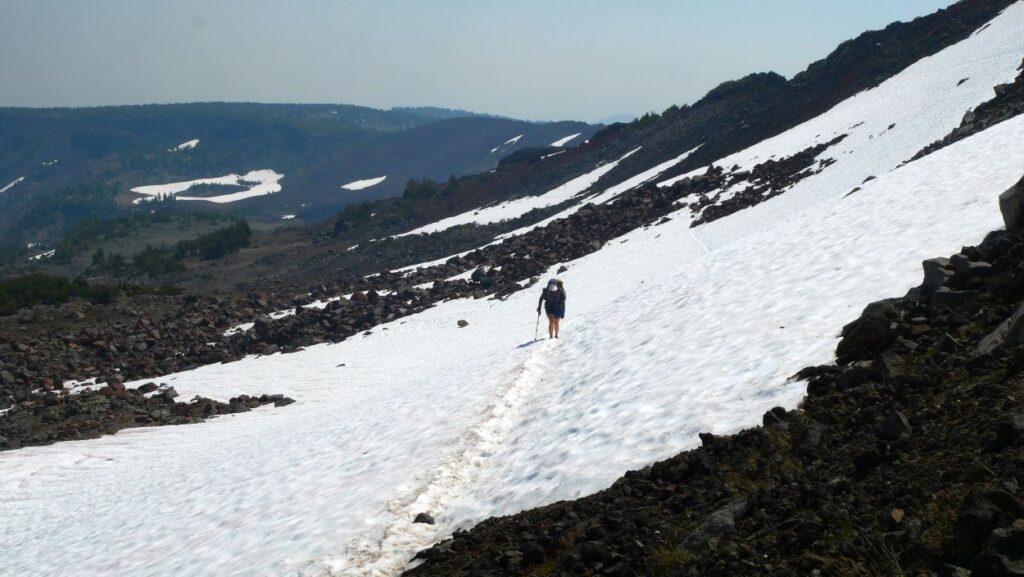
(12, 184)
(185, 145)
(43, 255)
(512, 140)
(260, 183)
(564, 141)
(361, 184)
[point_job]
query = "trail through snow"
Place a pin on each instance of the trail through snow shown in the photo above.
(450, 480)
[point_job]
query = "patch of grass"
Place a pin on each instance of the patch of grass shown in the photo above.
(669, 560)
(546, 568)
(938, 517)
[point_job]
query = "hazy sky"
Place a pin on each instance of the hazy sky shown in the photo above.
(536, 59)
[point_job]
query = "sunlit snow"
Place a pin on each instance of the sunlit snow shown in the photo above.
(361, 184)
(564, 141)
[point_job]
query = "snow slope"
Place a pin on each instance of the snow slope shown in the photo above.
(520, 206)
(361, 184)
(260, 182)
(12, 184)
(478, 421)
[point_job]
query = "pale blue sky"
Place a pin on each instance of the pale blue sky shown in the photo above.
(536, 59)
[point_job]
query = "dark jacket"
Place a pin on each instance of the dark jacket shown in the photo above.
(554, 301)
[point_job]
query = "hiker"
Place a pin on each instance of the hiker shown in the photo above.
(553, 298)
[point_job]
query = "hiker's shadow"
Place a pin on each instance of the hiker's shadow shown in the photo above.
(528, 343)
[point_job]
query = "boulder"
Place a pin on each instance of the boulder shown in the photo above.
(946, 297)
(147, 388)
(1002, 556)
(893, 427)
(1008, 334)
(1011, 204)
(870, 334)
(936, 274)
(715, 525)
(424, 518)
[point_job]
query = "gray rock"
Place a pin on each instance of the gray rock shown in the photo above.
(811, 437)
(869, 334)
(717, 524)
(424, 518)
(462, 323)
(963, 265)
(936, 274)
(1003, 555)
(1008, 334)
(946, 297)
(1011, 204)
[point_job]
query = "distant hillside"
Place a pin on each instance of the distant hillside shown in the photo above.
(318, 148)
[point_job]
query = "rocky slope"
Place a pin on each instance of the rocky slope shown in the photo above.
(905, 458)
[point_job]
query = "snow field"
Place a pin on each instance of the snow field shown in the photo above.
(260, 182)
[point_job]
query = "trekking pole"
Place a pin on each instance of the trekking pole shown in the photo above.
(536, 327)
